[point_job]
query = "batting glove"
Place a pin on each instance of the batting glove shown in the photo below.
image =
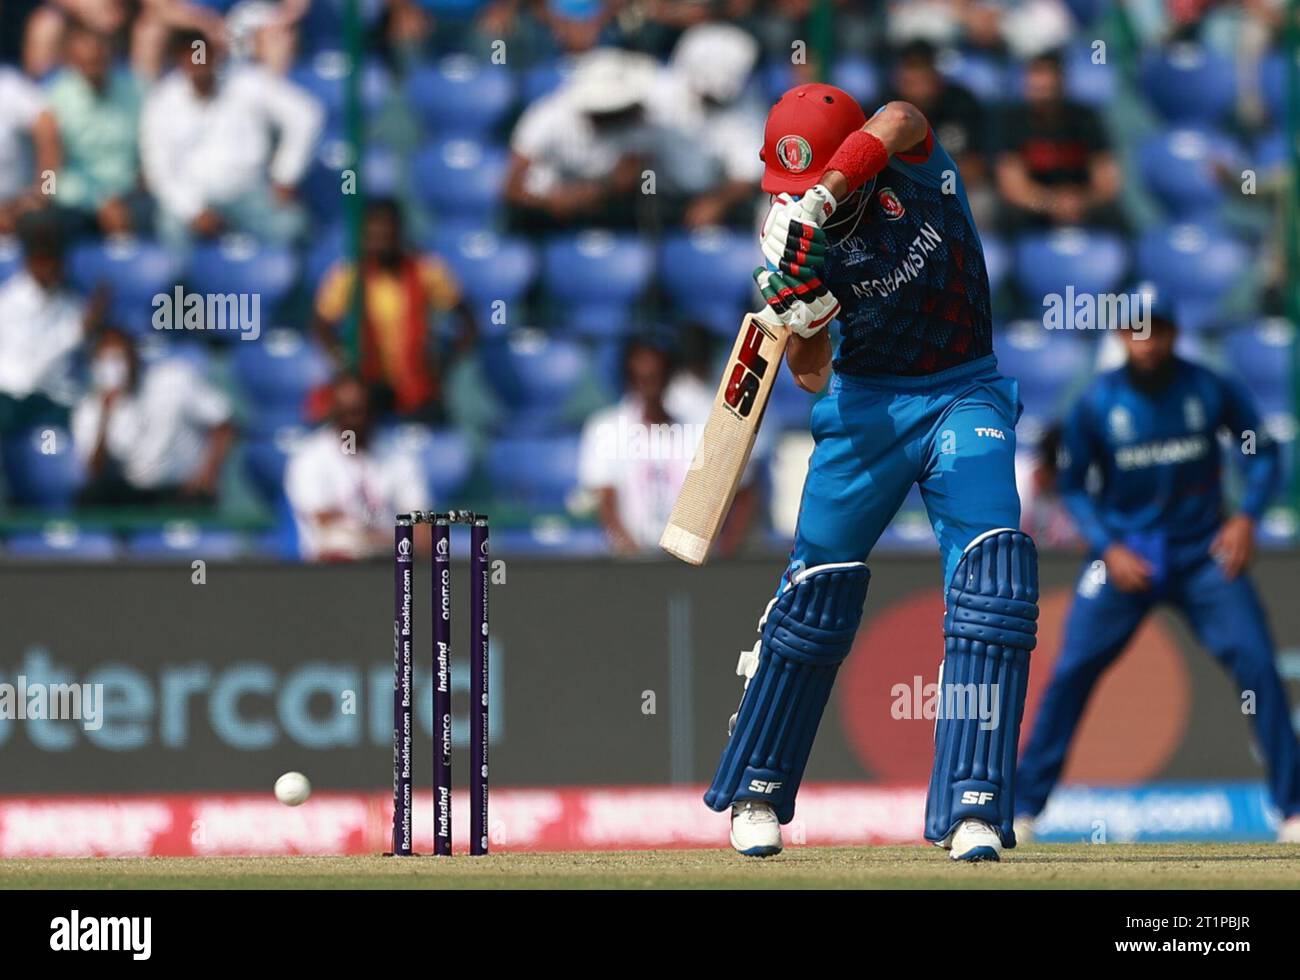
(792, 239)
(803, 306)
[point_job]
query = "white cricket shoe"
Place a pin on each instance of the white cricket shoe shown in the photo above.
(1289, 831)
(1024, 828)
(755, 831)
(975, 840)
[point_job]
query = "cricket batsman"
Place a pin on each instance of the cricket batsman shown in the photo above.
(870, 224)
(1158, 533)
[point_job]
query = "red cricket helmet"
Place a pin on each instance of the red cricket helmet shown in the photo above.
(804, 128)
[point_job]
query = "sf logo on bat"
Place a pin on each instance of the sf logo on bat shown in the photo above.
(748, 371)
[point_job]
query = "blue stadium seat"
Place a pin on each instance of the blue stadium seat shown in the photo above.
(490, 267)
(979, 73)
(1090, 261)
(265, 457)
(1086, 83)
(595, 276)
(1188, 83)
(543, 79)
(533, 471)
(775, 78)
(710, 275)
(1178, 168)
(1086, 11)
(1195, 264)
(1089, 83)
(328, 245)
(446, 457)
(279, 542)
(551, 538)
(461, 96)
(534, 375)
(64, 541)
(11, 256)
(279, 370)
(240, 264)
(322, 24)
(1272, 80)
(185, 541)
(1271, 151)
(325, 74)
(40, 468)
(1260, 353)
(997, 260)
(134, 270)
(858, 77)
(1048, 365)
(381, 174)
(459, 178)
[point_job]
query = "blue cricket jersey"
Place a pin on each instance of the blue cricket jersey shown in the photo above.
(1159, 457)
(910, 276)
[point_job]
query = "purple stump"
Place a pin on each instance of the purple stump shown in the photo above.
(403, 665)
(480, 578)
(441, 687)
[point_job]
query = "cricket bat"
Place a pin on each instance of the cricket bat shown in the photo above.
(728, 439)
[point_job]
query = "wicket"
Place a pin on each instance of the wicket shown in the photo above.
(403, 678)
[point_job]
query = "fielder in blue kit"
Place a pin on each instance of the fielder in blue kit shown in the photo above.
(1158, 534)
(881, 238)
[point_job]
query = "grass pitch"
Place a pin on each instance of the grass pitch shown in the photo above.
(1117, 866)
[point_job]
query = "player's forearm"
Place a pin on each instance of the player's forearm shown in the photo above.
(1263, 478)
(809, 359)
(898, 127)
(1087, 519)
(1103, 180)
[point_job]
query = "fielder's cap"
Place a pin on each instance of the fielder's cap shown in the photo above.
(611, 80)
(1157, 303)
(804, 128)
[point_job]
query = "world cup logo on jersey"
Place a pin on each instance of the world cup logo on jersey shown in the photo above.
(794, 153)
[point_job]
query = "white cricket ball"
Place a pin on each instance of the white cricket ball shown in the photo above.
(292, 789)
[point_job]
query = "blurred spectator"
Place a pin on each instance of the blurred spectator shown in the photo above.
(404, 294)
(42, 323)
(1043, 514)
(223, 151)
(23, 117)
(1056, 166)
(694, 383)
(266, 31)
(343, 493)
(576, 25)
(710, 128)
(577, 154)
(47, 29)
(149, 435)
(954, 114)
(97, 110)
(634, 457)
(1023, 27)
